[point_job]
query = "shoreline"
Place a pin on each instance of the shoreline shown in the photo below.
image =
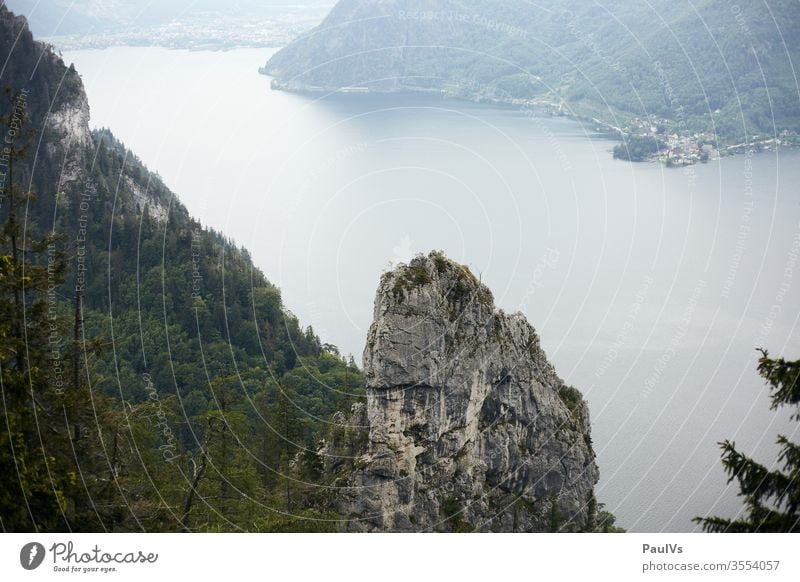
(675, 151)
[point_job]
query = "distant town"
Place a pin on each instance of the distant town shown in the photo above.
(200, 32)
(651, 139)
(677, 147)
(664, 140)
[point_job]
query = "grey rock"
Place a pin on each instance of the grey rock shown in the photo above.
(467, 426)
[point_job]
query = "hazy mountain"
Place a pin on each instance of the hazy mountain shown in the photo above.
(68, 17)
(705, 65)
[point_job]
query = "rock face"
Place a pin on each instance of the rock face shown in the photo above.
(56, 106)
(469, 426)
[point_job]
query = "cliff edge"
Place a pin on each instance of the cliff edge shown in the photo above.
(469, 426)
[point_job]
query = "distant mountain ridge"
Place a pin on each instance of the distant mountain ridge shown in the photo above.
(709, 66)
(179, 24)
(79, 17)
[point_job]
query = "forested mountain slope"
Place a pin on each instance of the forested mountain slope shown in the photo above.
(152, 377)
(709, 66)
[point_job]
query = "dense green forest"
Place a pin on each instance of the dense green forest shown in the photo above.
(152, 378)
(636, 148)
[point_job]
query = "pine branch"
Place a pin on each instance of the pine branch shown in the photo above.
(754, 479)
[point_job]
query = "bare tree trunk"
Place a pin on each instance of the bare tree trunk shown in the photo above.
(113, 470)
(287, 454)
(199, 471)
(76, 357)
(12, 226)
(288, 495)
(76, 337)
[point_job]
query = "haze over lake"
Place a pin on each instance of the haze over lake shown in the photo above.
(650, 287)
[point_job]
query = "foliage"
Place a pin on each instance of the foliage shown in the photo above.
(452, 510)
(571, 397)
(636, 148)
(39, 461)
(661, 59)
(771, 497)
(152, 379)
(411, 277)
(606, 521)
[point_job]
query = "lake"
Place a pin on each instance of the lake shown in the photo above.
(650, 287)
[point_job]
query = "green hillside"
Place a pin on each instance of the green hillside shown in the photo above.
(708, 66)
(152, 378)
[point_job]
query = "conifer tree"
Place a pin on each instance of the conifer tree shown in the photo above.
(34, 477)
(771, 497)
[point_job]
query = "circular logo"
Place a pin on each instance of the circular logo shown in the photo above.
(31, 555)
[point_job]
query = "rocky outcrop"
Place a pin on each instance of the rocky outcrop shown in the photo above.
(49, 98)
(68, 139)
(469, 427)
(53, 103)
(71, 122)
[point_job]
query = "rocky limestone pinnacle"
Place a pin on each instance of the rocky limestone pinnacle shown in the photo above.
(469, 426)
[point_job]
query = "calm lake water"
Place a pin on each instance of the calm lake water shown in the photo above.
(649, 287)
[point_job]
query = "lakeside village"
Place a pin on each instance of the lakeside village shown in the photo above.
(654, 139)
(650, 139)
(657, 140)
